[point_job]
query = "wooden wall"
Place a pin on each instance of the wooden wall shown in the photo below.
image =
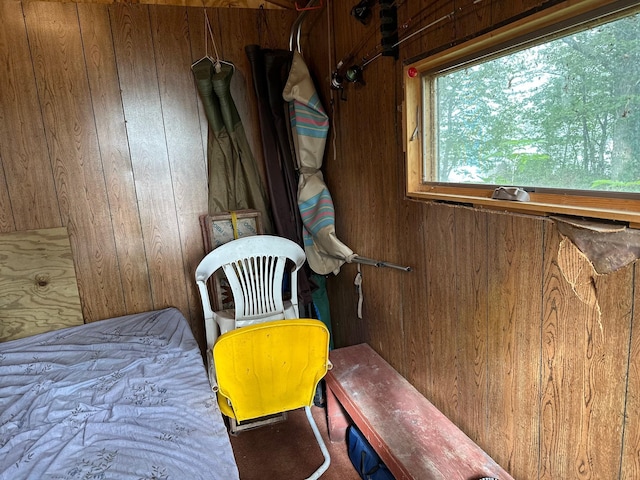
(502, 324)
(101, 131)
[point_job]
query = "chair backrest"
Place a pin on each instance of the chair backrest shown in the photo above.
(270, 367)
(254, 267)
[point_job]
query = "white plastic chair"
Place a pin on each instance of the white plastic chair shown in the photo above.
(254, 267)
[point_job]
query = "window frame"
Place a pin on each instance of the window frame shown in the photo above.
(601, 205)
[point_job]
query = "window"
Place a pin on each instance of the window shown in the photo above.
(550, 104)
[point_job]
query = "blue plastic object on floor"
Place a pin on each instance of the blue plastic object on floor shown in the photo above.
(364, 458)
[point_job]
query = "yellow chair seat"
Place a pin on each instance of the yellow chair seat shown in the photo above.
(271, 367)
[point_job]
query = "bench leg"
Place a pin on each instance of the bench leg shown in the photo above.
(336, 418)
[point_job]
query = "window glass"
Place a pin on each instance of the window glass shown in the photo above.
(548, 103)
(563, 114)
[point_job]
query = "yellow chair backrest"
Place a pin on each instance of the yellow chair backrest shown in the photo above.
(271, 367)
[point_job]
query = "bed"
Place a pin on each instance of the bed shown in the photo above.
(124, 398)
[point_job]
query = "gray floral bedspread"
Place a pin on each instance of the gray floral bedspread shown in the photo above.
(125, 398)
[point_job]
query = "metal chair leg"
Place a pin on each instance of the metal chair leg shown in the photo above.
(325, 453)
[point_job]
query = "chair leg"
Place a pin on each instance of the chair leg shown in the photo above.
(325, 453)
(235, 427)
(211, 371)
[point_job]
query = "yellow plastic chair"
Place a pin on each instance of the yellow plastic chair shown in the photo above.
(271, 368)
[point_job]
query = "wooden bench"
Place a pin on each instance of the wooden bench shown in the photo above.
(413, 438)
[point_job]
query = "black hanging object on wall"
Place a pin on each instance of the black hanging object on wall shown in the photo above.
(354, 74)
(389, 28)
(362, 11)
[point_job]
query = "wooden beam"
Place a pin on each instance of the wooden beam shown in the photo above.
(269, 4)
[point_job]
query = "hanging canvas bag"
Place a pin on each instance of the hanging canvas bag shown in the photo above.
(364, 458)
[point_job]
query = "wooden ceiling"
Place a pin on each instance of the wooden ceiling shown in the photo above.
(277, 4)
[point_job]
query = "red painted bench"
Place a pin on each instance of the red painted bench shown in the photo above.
(413, 438)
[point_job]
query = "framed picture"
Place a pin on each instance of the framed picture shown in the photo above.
(219, 229)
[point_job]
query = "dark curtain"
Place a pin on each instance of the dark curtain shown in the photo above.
(270, 70)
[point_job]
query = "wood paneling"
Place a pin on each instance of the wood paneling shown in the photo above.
(504, 326)
(500, 324)
(442, 309)
(32, 201)
(137, 62)
(416, 321)
(514, 312)
(114, 150)
(606, 362)
(472, 273)
(584, 365)
(199, 3)
(70, 130)
(187, 166)
(101, 132)
(6, 216)
(631, 441)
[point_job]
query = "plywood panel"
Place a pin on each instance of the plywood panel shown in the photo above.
(116, 160)
(515, 254)
(23, 147)
(64, 94)
(38, 283)
(137, 70)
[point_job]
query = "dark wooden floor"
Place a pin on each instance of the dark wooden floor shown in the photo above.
(288, 451)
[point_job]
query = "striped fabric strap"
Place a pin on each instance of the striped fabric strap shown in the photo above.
(358, 283)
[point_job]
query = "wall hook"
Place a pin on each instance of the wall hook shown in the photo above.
(315, 7)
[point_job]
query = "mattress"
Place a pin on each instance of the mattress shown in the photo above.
(124, 398)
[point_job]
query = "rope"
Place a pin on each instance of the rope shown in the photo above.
(207, 28)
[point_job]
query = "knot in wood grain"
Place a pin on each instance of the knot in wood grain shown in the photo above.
(42, 280)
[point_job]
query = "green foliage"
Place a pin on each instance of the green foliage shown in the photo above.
(565, 114)
(614, 186)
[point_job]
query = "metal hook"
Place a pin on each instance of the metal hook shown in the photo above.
(297, 25)
(309, 7)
